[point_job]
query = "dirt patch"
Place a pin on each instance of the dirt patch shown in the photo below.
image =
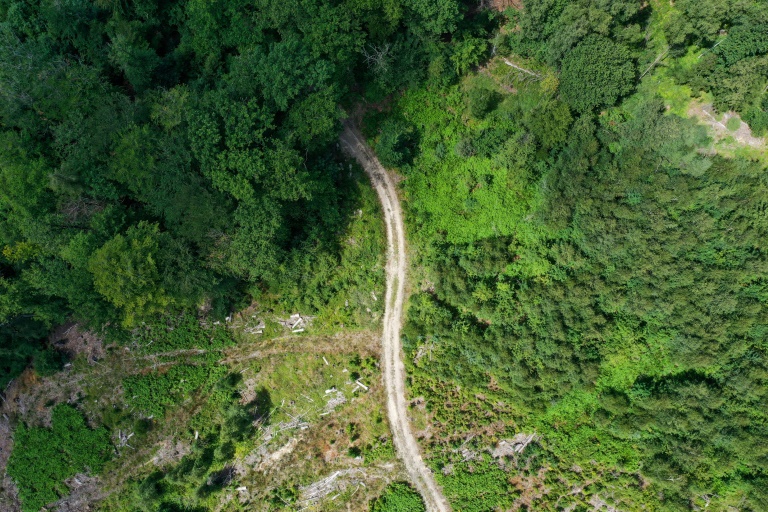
(6, 443)
(73, 340)
(8, 493)
(706, 114)
(84, 494)
(365, 343)
(502, 5)
(31, 397)
(170, 452)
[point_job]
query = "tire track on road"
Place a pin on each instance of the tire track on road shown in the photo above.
(394, 369)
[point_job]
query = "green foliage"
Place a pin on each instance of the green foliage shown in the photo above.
(477, 487)
(549, 122)
(596, 74)
(182, 332)
(733, 68)
(757, 118)
(481, 101)
(282, 496)
(126, 273)
(335, 278)
(398, 497)
(394, 145)
(599, 280)
(20, 339)
(223, 425)
(746, 40)
(694, 21)
(381, 450)
(733, 124)
(551, 28)
(48, 361)
(467, 53)
(43, 458)
(152, 393)
(615, 321)
(155, 157)
(479, 172)
(434, 16)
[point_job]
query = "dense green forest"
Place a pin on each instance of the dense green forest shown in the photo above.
(158, 156)
(590, 263)
(592, 269)
(164, 165)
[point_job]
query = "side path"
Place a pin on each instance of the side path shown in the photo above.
(394, 370)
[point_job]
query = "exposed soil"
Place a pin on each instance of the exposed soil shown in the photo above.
(8, 493)
(30, 397)
(346, 342)
(393, 368)
(706, 114)
(71, 339)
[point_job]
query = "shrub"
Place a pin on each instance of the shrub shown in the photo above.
(152, 393)
(48, 361)
(733, 124)
(757, 120)
(481, 101)
(182, 333)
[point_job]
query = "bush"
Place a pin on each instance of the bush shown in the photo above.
(152, 393)
(481, 101)
(43, 458)
(396, 143)
(733, 124)
(182, 332)
(757, 120)
(48, 361)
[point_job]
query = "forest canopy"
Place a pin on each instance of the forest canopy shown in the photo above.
(603, 288)
(590, 266)
(157, 156)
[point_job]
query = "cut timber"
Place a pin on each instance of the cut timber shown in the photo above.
(517, 444)
(658, 59)
(512, 64)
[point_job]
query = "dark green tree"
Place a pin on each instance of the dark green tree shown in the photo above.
(596, 74)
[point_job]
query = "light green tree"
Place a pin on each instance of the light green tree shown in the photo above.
(126, 272)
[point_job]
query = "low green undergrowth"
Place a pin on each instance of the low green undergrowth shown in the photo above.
(398, 497)
(182, 332)
(152, 393)
(43, 458)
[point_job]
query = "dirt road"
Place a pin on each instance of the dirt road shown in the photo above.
(394, 370)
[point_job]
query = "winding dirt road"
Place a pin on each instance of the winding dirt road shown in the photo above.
(394, 370)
